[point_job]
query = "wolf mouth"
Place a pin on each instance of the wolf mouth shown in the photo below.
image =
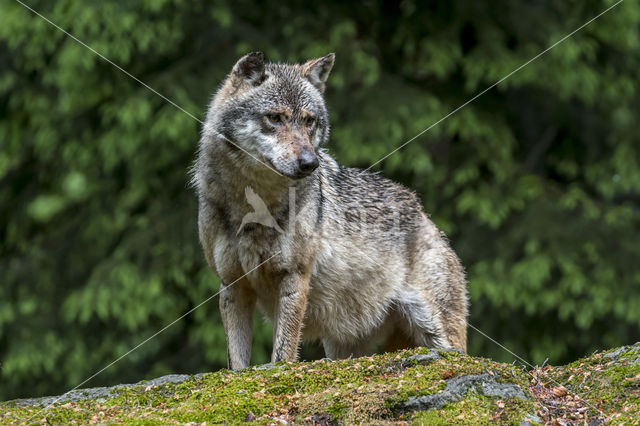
(295, 176)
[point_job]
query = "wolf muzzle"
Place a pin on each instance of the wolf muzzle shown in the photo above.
(307, 162)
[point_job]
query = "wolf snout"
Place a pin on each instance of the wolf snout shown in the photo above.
(307, 162)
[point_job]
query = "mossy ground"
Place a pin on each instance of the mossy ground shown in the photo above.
(360, 390)
(604, 386)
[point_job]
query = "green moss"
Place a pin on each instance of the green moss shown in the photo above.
(337, 409)
(608, 383)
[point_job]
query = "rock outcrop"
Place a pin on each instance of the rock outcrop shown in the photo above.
(417, 386)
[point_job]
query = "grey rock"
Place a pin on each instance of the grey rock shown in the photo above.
(457, 388)
(99, 392)
(428, 402)
(71, 396)
(456, 350)
(269, 366)
(531, 419)
(616, 353)
(423, 359)
(171, 378)
(633, 358)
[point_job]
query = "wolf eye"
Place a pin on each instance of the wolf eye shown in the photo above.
(310, 121)
(274, 118)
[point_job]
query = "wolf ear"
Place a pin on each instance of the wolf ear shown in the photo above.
(317, 70)
(249, 68)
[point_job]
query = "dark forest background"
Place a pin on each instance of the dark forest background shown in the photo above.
(536, 183)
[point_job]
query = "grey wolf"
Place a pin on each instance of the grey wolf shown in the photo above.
(359, 264)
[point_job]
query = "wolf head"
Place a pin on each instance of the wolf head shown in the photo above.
(275, 112)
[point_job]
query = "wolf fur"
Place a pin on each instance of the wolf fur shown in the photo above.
(357, 261)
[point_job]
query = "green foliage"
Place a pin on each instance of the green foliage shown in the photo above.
(536, 183)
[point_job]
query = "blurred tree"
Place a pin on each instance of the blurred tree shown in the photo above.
(537, 182)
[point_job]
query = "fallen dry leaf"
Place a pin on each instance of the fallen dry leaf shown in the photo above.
(448, 374)
(559, 391)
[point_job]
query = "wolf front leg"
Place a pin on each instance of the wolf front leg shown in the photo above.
(237, 304)
(292, 304)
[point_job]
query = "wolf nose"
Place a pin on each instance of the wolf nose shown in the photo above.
(307, 162)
